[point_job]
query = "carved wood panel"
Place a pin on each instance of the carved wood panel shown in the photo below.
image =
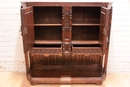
(45, 60)
(86, 59)
(66, 47)
(86, 51)
(46, 51)
(67, 23)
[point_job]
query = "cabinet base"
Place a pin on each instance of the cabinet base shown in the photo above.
(66, 80)
(92, 74)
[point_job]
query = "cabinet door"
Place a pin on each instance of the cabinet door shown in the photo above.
(27, 27)
(104, 32)
(104, 27)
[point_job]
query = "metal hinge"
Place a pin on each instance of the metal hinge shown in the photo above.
(104, 31)
(24, 31)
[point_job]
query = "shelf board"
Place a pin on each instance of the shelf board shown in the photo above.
(83, 24)
(48, 42)
(85, 42)
(56, 71)
(47, 24)
(60, 42)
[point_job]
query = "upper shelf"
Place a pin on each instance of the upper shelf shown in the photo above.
(76, 24)
(42, 22)
(85, 42)
(48, 42)
(82, 23)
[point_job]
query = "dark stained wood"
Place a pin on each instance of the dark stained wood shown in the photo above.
(50, 71)
(47, 15)
(48, 32)
(27, 28)
(108, 29)
(66, 42)
(85, 33)
(86, 15)
(65, 80)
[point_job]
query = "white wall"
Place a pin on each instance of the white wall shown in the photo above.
(11, 49)
(119, 53)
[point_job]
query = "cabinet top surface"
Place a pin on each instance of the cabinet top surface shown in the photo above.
(89, 1)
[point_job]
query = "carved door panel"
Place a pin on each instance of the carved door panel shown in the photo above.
(104, 27)
(27, 27)
(109, 26)
(104, 33)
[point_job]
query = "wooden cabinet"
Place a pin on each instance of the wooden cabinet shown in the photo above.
(66, 42)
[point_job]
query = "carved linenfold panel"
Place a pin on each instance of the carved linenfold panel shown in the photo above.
(84, 60)
(46, 52)
(67, 58)
(46, 60)
(86, 51)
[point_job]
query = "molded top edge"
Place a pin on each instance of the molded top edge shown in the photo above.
(90, 1)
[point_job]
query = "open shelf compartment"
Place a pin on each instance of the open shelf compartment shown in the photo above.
(72, 71)
(48, 33)
(85, 33)
(47, 15)
(86, 16)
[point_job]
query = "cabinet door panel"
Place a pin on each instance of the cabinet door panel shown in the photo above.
(104, 27)
(105, 33)
(27, 27)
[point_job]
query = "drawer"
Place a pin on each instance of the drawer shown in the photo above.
(86, 50)
(46, 50)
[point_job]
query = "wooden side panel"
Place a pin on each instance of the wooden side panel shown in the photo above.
(27, 27)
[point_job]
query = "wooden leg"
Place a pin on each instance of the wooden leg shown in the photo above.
(99, 83)
(33, 83)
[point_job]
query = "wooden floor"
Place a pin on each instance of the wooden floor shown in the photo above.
(9, 79)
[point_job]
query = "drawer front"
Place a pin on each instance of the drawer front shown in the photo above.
(86, 51)
(46, 51)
